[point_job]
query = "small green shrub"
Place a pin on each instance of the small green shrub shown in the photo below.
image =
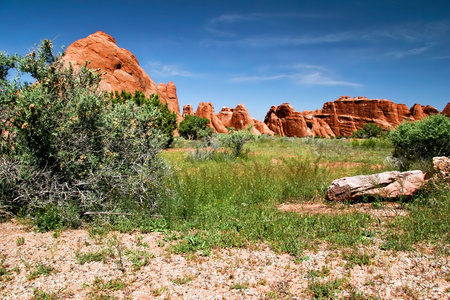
(422, 140)
(325, 290)
(193, 127)
(369, 130)
(235, 140)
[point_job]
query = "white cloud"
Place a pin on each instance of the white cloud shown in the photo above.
(318, 78)
(408, 52)
(157, 68)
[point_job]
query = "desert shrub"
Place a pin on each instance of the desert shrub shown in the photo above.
(369, 130)
(422, 140)
(68, 149)
(193, 127)
(165, 120)
(235, 140)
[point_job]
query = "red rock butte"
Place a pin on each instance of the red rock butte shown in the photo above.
(120, 68)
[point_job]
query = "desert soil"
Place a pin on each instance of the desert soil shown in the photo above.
(253, 272)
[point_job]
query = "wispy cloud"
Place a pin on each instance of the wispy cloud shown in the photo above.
(235, 18)
(408, 52)
(220, 26)
(318, 78)
(159, 69)
(302, 74)
(223, 33)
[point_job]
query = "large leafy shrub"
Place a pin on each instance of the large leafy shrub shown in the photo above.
(422, 140)
(66, 145)
(165, 121)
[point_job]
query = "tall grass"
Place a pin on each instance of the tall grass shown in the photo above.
(233, 203)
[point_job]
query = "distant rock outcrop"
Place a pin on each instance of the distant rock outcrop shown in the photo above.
(446, 110)
(187, 110)
(342, 117)
(237, 118)
(206, 110)
(120, 68)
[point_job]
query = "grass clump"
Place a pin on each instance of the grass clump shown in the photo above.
(41, 269)
(90, 257)
(325, 289)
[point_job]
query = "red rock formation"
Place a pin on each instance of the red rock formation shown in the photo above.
(239, 119)
(446, 110)
(342, 117)
(262, 128)
(120, 67)
(225, 116)
(285, 121)
(206, 110)
(187, 110)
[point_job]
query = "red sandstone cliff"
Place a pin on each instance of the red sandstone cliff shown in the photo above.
(120, 67)
(342, 117)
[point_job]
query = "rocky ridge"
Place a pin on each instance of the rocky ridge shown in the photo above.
(343, 117)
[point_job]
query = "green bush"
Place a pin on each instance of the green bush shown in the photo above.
(193, 127)
(370, 130)
(422, 140)
(235, 140)
(66, 145)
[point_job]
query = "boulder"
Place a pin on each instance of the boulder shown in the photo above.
(441, 166)
(119, 68)
(387, 185)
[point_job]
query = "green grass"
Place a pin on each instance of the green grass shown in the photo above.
(233, 203)
(90, 256)
(41, 270)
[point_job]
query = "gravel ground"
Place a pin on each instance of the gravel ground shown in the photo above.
(254, 272)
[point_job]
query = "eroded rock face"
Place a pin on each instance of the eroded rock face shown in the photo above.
(206, 110)
(225, 116)
(342, 117)
(120, 67)
(387, 185)
(285, 121)
(187, 110)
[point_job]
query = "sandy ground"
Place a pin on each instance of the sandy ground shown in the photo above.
(253, 272)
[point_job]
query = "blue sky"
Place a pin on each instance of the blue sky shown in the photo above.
(260, 53)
